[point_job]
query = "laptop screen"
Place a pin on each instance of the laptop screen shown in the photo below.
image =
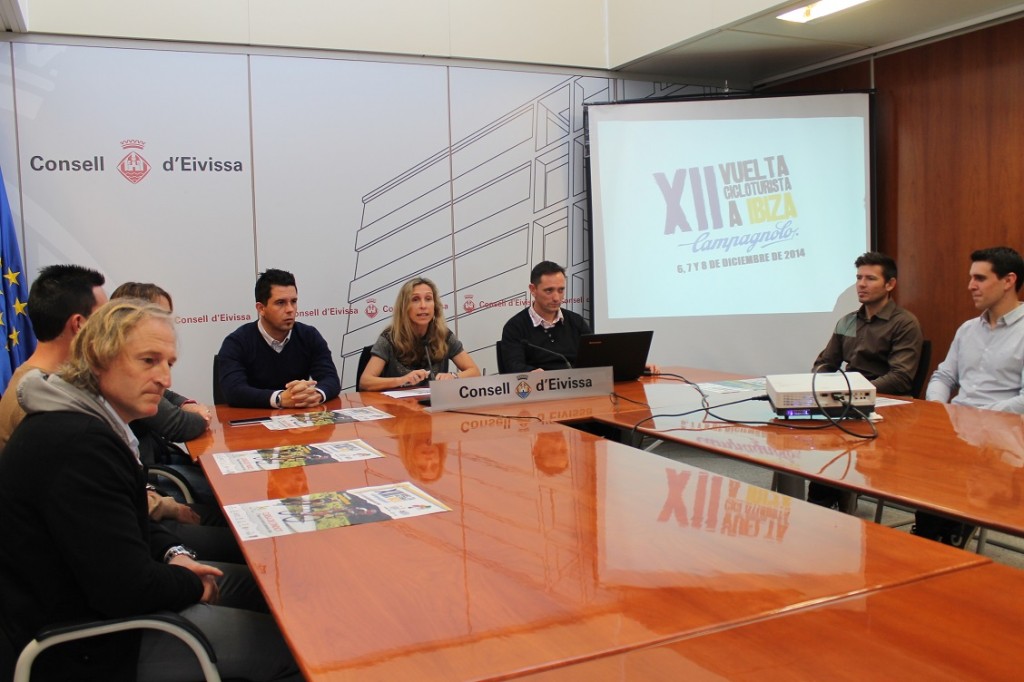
(624, 352)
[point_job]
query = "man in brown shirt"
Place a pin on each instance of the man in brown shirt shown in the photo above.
(880, 340)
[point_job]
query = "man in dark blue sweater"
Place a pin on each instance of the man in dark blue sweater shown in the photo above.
(276, 361)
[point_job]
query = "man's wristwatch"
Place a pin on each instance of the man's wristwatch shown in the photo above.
(178, 550)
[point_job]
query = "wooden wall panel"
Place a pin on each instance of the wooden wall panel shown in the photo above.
(954, 165)
(950, 125)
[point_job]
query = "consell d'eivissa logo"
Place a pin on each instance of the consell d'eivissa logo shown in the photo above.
(133, 166)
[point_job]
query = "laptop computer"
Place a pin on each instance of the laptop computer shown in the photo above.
(624, 352)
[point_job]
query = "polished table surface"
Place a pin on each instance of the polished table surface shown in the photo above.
(955, 460)
(964, 625)
(645, 392)
(560, 547)
(628, 397)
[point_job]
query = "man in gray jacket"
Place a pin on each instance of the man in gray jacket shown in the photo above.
(78, 542)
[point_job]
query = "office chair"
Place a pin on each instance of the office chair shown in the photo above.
(179, 480)
(364, 359)
(165, 621)
(218, 392)
(917, 387)
(917, 384)
(501, 360)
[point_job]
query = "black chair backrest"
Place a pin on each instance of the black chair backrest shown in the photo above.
(218, 393)
(501, 360)
(364, 359)
(921, 375)
(365, 356)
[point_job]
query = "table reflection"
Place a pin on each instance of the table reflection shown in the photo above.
(551, 452)
(423, 453)
(286, 483)
(995, 471)
(688, 525)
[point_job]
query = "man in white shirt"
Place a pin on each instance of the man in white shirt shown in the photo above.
(985, 363)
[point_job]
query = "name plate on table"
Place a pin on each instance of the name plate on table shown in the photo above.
(527, 387)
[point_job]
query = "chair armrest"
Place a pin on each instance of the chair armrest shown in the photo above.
(165, 621)
(176, 478)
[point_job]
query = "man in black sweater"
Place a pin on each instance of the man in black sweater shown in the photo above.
(544, 335)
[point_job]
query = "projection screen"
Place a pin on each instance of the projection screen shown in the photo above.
(730, 226)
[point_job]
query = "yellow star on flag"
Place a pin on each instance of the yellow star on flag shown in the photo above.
(12, 277)
(19, 307)
(13, 336)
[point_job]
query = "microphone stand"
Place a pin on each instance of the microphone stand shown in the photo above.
(527, 344)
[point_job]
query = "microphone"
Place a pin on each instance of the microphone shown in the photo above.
(527, 344)
(430, 360)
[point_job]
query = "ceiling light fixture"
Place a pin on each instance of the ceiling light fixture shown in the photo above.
(817, 10)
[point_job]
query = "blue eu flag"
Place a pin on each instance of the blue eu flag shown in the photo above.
(19, 341)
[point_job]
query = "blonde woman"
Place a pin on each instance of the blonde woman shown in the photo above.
(418, 345)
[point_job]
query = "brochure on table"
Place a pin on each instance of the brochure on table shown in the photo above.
(322, 511)
(288, 456)
(324, 418)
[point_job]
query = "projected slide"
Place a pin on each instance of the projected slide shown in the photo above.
(729, 227)
(753, 206)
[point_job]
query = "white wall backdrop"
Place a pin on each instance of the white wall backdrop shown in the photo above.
(197, 170)
(325, 133)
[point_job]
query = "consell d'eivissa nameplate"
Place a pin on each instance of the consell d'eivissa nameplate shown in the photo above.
(521, 387)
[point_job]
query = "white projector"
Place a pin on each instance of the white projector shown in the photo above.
(791, 394)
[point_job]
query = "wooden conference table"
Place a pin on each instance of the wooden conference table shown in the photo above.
(959, 461)
(904, 632)
(560, 548)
